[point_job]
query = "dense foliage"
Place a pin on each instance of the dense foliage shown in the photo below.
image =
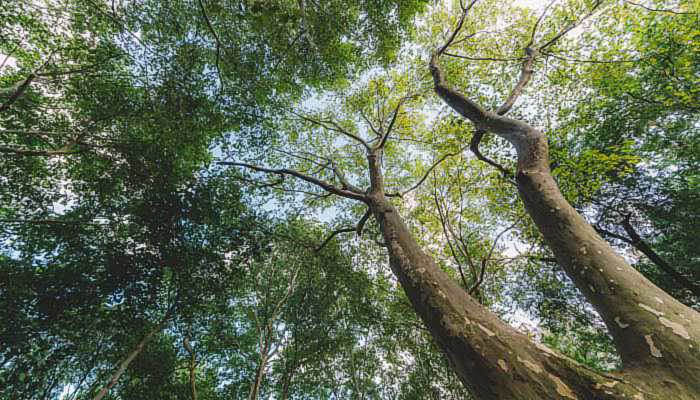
(125, 242)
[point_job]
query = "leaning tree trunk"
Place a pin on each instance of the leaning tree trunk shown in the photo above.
(657, 337)
(124, 364)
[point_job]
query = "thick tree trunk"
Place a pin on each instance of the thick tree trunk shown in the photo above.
(657, 337)
(490, 357)
(653, 332)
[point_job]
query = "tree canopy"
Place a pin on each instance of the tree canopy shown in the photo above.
(386, 199)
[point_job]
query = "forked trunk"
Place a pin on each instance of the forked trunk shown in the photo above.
(491, 358)
(657, 337)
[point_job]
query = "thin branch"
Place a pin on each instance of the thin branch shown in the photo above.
(310, 179)
(432, 167)
(571, 26)
(460, 24)
(357, 229)
(590, 61)
(474, 147)
(335, 127)
(445, 230)
(332, 235)
(537, 23)
(343, 181)
(361, 224)
(218, 43)
(386, 134)
(40, 153)
(484, 58)
(664, 10)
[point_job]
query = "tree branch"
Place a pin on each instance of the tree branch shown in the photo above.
(664, 10)
(460, 24)
(357, 229)
(571, 26)
(427, 173)
(335, 127)
(218, 43)
(310, 179)
(17, 91)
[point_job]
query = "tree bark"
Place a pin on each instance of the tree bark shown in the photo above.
(124, 364)
(657, 337)
(491, 358)
(259, 374)
(192, 367)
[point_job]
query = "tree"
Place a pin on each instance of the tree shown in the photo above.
(652, 331)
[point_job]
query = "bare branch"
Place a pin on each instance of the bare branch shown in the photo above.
(474, 147)
(460, 24)
(386, 134)
(537, 23)
(432, 167)
(664, 10)
(334, 127)
(310, 179)
(557, 56)
(571, 26)
(484, 58)
(216, 39)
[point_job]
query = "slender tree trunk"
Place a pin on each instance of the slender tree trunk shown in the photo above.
(259, 374)
(124, 364)
(192, 367)
(657, 337)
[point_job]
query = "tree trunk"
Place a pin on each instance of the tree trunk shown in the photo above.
(657, 337)
(124, 364)
(259, 374)
(491, 358)
(192, 367)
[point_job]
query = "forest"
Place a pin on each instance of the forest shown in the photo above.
(369, 199)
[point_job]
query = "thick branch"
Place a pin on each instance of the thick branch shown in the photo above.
(17, 91)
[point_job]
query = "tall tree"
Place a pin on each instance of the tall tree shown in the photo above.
(653, 332)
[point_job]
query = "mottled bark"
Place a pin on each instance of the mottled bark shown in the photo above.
(657, 337)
